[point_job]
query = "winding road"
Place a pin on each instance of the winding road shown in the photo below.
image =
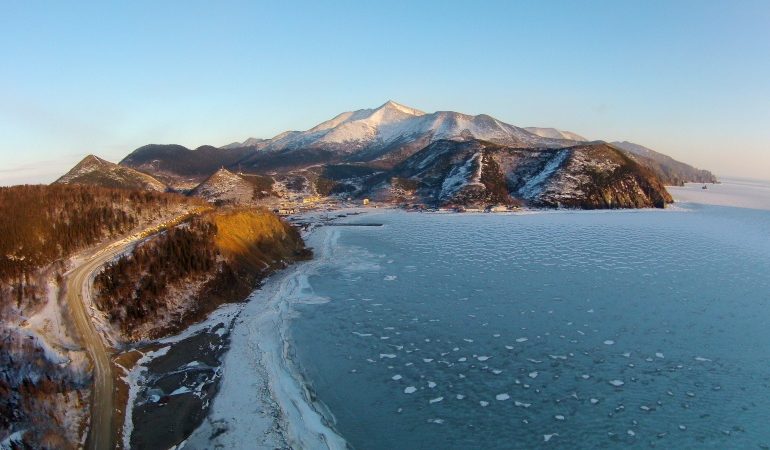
(79, 280)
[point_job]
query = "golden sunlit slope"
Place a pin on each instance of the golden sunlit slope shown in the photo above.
(255, 237)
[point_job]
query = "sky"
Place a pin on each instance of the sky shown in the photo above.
(687, 78)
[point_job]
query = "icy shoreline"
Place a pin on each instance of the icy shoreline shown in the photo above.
(262, 401)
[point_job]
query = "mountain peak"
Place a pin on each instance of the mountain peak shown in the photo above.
(391, 105)
(92, 160)
(96, 171)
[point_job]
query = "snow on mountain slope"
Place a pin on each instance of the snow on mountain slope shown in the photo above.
(393, 132)
(553, 133)
(479, 174)
(227, 187)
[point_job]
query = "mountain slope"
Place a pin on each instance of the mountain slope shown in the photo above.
(553, 133)
(669, 170)
(179, 166)
(478, 173)
(227, 187)
(95, 171)
(386, 136)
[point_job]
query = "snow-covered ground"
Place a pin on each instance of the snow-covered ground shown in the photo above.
(743, 193)
(261, 402)
(134, 377)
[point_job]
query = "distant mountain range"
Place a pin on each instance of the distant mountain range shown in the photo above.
(396, 152)
(669, 170)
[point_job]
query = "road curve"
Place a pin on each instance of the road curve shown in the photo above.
(79, 281)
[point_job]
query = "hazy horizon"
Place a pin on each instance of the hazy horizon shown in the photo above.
(689, 79)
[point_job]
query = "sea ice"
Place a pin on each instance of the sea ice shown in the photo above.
(522, 339)
(594, 401)
(509, 347)
(558, 417)
(427, 360)
(387, 355)
(617, 383)
(533, 374)
(459, 396)
(431, 384)
(396, 377)
(609, 342)
(483, 403)
(390, 277)
(410, 390)
(483, 358)
(181, 390)
(436, 400)
(502, 397)
(548, 437)
(521, 404)
(659, 355)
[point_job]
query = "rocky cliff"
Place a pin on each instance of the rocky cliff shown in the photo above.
(477, 173)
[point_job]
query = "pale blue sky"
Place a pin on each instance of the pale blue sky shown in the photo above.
(688, 78)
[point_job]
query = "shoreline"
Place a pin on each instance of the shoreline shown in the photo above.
(263, 402)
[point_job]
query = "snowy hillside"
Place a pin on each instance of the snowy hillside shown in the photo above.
(393, 132)
(553, 133)
(479, 174)
(225, 187)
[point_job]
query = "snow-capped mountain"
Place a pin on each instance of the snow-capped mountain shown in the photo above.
(553, 133)
(392, 132)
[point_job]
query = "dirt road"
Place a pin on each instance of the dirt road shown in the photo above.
(79, 281)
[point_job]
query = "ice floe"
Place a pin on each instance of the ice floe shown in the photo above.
(410, 390)
(502, 397)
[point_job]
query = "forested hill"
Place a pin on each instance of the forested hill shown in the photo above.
(178, 277)
(40, 224)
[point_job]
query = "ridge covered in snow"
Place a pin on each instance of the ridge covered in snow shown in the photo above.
(556, 134)
(371, 131)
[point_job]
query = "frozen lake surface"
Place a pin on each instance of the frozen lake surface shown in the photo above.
(556, 329)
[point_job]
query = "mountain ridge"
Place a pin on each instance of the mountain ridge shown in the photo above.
(358, 148)
(96, 171)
